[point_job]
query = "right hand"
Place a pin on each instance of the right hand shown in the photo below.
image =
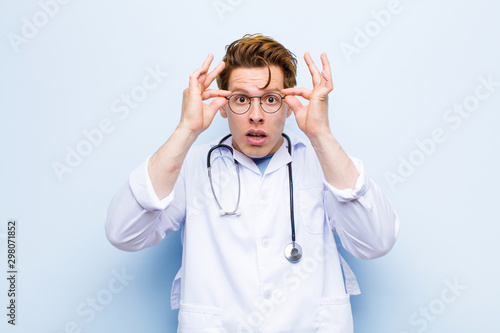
(197, 116)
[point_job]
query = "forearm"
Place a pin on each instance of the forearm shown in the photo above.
(130, 227)
(338, 168)
(165, 165)
(364, 219)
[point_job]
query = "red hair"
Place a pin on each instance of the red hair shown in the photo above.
(258, 51)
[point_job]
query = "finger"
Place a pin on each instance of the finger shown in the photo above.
(293, 102)
(217, 103)
(316, 76)
(302, 92)
(213, 74)
(207, 62)
(211, 93)
(326, 73)
(193, 78)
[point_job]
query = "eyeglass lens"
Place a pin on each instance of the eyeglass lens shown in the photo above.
(269, 103)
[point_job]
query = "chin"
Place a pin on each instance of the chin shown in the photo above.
(255, 151)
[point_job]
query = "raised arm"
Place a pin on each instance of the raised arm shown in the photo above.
(142, 213)
(312, 119)
(357, 210)
(165, 165)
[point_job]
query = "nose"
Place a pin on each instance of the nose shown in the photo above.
(256, 115)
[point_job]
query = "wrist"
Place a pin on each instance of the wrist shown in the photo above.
(325, 143)
(186, 132)
(320, 136)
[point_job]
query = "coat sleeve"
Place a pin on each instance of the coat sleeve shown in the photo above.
(362, 217)
(136, 218)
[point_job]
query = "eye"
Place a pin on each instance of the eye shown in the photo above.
(240, 99)
(272, 99)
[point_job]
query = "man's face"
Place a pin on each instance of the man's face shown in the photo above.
(256, 133)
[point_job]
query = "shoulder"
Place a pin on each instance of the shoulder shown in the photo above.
(199, 151)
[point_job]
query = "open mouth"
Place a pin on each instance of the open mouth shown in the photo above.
(256, 137)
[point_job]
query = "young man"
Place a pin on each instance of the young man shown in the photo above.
(271, 263)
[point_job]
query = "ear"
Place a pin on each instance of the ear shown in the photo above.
(288, 110)
(223, 111)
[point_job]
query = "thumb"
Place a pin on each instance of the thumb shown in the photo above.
(217, 103)
(293, 102)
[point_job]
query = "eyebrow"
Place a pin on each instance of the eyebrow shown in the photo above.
(264, 91)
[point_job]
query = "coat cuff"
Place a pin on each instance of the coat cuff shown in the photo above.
(360, 188)
(144, 192)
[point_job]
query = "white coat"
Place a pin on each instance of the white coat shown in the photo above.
(234, 275)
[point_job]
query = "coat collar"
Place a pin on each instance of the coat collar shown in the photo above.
(279, 159)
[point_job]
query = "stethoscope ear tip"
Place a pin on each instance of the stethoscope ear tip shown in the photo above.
(221, 212)
(238, 212)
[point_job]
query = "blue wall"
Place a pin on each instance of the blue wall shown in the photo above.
(416, 97)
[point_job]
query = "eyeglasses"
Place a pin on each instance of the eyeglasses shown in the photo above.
(269, 103)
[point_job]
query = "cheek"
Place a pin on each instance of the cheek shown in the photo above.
(235, 122)
(279, 121)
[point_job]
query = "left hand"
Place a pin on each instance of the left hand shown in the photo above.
(312, 119)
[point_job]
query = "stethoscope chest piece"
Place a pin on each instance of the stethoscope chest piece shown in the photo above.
(293, 252)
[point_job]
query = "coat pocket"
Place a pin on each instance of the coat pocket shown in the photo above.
(334, 315)
(311, 208)
(200, 319)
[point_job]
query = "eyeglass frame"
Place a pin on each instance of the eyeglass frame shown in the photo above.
(260, 102)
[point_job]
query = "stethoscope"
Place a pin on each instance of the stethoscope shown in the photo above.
(293, 251)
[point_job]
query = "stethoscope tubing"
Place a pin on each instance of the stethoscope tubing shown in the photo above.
(293, 251)
(292, 215)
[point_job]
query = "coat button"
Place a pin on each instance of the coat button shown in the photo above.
(268, 294)
(265, 242)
